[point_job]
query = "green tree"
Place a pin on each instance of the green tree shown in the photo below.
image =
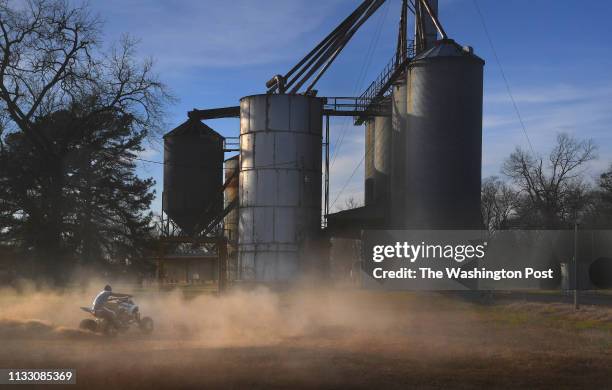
(72, 117)
(599, 214)
(87, 205)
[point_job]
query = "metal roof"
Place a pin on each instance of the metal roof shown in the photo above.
(193, 126)
(447, 48)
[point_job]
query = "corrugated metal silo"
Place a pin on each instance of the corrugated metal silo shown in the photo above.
(377, 160)
(398, 141)
(193, 174)
(369, 173)
(382, 158)
(280, 184)
(443, 147)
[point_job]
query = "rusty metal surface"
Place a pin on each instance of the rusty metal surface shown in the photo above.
(280, 183)
(230, 222)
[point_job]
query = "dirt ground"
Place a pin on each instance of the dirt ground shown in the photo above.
(322, 339)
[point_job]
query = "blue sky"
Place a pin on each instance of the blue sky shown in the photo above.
(555, 55)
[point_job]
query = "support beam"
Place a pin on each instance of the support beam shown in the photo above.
(215, 113)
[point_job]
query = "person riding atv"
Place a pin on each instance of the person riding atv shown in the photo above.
(101, 307)
(114, 313)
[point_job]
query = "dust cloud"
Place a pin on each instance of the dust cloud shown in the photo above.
(254, 317)
(348, 319)
(303, 338)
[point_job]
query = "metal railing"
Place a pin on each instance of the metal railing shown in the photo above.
(351, 106)
(382, 84)
(231, 144)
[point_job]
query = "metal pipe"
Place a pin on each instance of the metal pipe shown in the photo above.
(328, 37)
(402, 38)
(316, 57)
(339, 48)
(324, 45)
(434, 19)
(326, 49)
(326, 168)
(277, 82)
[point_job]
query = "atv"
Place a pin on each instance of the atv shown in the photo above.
(127, 315)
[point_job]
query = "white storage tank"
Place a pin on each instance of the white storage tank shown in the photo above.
(280, 184)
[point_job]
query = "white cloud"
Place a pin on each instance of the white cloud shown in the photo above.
(580, 110)
(549, 94)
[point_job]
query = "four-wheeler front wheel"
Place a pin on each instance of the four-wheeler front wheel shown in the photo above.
(146, 325)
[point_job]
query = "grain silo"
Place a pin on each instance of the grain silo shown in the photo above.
(377, 166)
(443, 146)
(369, 174)
(382, 158)
(397, 158)
(280, 184)
(193, 169)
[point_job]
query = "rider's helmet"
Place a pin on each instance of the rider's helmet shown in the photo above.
(108, 288)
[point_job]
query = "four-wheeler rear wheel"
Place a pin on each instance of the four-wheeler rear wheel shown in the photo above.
(109, 329)
(146, 325)
(89, 324)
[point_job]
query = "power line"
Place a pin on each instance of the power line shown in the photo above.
(362, 74)
(501, 69)
(349, 179)
(272, 165)
(368, 147)
(148, 161)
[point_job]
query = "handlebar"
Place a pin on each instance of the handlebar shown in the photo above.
(120, 298)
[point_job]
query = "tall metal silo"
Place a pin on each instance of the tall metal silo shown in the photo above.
(399, 119)
(443, 147)
(369, 173)
(382, 158)
(377, 160)
(280, 184)
(193, 174)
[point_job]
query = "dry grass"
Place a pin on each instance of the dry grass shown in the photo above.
(323, 339)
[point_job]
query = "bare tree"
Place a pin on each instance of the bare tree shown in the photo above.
(553, 188)
(599, 212)
(349, 203)
(53, 66)
(51, 58)
(499, 202)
